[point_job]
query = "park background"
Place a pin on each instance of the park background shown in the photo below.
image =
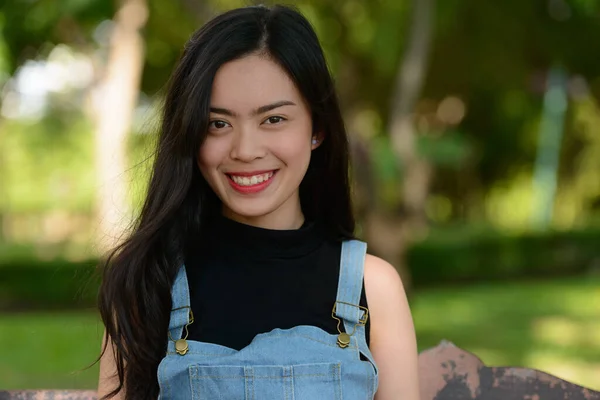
(475, 133)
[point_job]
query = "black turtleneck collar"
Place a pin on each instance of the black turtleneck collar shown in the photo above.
(229, 239)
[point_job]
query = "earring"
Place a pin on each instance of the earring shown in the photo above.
(315, 141)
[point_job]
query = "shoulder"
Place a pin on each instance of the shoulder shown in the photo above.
(386, 297)
(381, 278)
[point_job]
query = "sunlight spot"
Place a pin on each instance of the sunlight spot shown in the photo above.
(558, 331)
(451, 110)
(439, 208)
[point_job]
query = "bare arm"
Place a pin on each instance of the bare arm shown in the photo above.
(108, 380)
(393, 342)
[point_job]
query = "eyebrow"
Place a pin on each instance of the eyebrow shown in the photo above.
(258, 111)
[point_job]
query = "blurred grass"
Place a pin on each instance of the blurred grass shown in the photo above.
(49, 350)
(553, 326)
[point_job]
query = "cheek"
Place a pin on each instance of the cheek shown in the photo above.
(210, 156)
(294, 151)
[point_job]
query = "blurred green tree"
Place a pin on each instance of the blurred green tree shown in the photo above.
(474, 122)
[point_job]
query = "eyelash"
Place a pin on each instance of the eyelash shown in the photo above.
(280, 118)
(211, 123)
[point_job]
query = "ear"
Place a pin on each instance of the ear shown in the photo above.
(317, 139)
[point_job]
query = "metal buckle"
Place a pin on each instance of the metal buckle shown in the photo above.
(181, 345)
(191, 314)
(361, 321)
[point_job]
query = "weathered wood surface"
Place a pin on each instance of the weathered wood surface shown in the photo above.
(446, 373)
(450, 373)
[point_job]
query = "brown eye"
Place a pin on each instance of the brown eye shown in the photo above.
(217, 124)
(274, 120)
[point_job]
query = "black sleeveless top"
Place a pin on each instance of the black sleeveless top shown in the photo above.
(246, 280)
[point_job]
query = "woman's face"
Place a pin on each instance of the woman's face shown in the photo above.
(259, 143)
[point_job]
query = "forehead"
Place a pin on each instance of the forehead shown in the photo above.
(251, 82)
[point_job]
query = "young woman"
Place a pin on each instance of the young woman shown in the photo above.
(242, 278)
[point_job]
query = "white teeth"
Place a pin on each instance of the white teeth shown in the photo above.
(251, 180)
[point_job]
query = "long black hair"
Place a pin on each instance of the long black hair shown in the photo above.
(134, 298)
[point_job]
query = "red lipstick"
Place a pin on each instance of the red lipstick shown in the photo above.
(252, 188)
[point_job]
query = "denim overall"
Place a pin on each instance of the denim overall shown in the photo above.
(301, 363)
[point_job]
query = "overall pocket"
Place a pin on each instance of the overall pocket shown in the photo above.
(273, 382)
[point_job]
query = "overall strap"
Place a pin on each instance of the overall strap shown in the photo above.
(352, 268)
(180, 310)
(350, 288)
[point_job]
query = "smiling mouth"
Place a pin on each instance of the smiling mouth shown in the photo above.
(251, 180)
(251, 183)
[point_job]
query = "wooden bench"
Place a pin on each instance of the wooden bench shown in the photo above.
(446, 373)
(450, 373)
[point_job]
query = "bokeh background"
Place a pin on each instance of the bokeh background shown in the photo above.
(475, 132)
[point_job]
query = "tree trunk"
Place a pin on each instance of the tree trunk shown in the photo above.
(395, 232)
(118, 93)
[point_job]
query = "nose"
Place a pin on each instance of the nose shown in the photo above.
(247, 146)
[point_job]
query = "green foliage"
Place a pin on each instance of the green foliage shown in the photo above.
(587, 7)
(490, 55)
(30, 25)
(446, 149)
(142, 147)
(169, 26)
(387, 170)
(56, 284)
(470, 256)
(51, 165)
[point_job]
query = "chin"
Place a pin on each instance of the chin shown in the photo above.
(248, 211)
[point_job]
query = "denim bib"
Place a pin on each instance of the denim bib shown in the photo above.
(301, 363)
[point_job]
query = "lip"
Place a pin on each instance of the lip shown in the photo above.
(259, 187)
